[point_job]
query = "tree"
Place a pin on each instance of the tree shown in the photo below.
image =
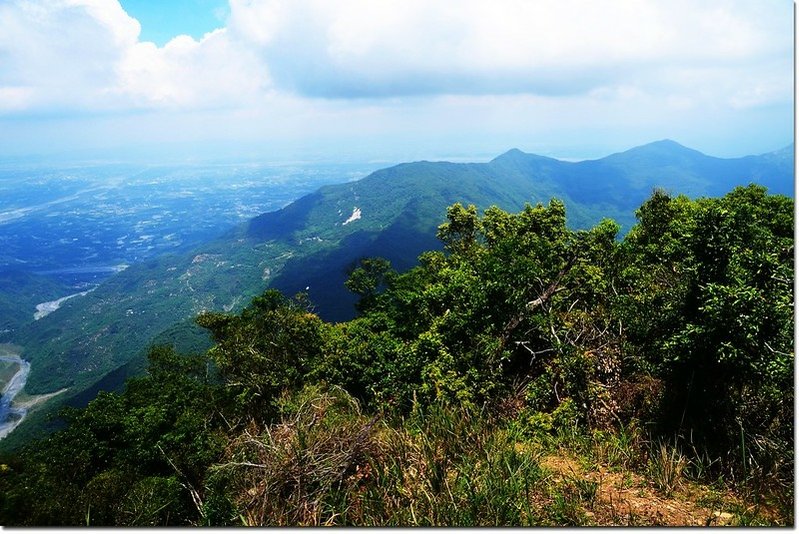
(366, 280)
(266, 349)
(709, 304)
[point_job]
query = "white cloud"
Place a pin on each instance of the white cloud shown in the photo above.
(382, 48)
(85, 56)
(61, 52)
(258, 21)
(215, 71)
(418, 70)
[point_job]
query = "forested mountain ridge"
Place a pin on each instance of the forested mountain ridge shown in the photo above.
(399, 207)
(313, 243)
(528, 374)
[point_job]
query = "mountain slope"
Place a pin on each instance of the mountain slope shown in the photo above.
(311, 243)
(401, 207)
(20, 292)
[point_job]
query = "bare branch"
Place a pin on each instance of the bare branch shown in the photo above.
(195, 495)
(774, 351)
(545, 295)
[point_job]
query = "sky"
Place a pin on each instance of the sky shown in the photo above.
(379, 80)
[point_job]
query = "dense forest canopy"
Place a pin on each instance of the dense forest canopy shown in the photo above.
(420, 410)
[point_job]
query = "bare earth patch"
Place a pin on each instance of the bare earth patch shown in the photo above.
(625, 498)
(31, 401)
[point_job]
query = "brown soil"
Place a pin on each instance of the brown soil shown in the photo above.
(627, 498)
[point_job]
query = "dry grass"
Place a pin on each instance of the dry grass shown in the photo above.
(327, 463)
(666, 467)
(287, 473)
(612, 497)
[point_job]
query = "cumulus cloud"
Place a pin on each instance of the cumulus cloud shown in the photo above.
(415, 71)
(85, 55)
(185, 73)
(61, 52)
(380, 48)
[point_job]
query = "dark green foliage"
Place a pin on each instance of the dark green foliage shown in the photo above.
(419, 411)
(366, 358)
(709, 306)
(268, 348)
(129, 459)
(306, 247)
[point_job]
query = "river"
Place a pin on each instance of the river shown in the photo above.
(10, 415)
(46, 308)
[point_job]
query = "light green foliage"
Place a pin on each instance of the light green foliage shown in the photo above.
(425, 409)
(371, 275)
(666, 466)
(459, 233)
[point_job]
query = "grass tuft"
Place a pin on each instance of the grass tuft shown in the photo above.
(666, 467)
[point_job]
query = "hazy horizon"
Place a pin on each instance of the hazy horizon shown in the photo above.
(168, 156)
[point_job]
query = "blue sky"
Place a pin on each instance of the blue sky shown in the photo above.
(391, 81)
(163, 20)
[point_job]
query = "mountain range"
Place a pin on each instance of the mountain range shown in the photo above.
(94, 342)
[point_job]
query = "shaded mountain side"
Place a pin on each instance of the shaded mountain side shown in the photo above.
(322, 275)
(314, 241)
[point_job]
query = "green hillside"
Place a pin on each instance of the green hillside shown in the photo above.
(20, 292)
(312, 244)
(528, 374)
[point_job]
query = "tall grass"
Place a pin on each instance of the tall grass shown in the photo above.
(666, 467)
(457, 468)
(326, 463)
(624, 449)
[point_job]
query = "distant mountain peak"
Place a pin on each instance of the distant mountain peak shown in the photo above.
(665, 145)
(664, 148)
(514, 154)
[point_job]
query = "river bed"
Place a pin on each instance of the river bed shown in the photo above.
(11, 415)
(46, 308)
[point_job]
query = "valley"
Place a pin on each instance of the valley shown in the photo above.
(256, 328)
(63, 230)
(66, 230)
(78, 223)
(95, 341)
(44, 309)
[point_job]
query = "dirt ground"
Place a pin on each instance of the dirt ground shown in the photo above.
(627, 498)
